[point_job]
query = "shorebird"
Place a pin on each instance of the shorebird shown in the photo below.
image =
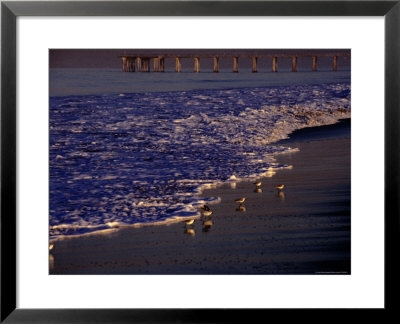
(205, 207)
(51, 246)
(257, 183)
(189, 221)
(190, 231)
(240, 200)
(280, 187)
(206, 210)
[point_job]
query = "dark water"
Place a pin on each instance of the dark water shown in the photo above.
(129, 148)
(66, 82)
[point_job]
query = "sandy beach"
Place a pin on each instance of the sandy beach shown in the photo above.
(304, 229)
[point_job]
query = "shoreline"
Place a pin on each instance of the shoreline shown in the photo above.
(298, 135)
(275, 234)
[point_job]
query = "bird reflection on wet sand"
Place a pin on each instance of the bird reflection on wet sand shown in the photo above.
(241, 208)
(190, 231)
(280, 195)
(51, 257)
(207, 225)
(51, 262)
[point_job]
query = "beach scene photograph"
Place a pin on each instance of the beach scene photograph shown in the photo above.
(199, 161)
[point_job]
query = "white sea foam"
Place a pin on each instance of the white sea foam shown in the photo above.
(123, 160)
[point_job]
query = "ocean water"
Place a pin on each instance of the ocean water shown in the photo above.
(138, 148)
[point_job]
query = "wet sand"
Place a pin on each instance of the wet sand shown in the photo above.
(305, 229)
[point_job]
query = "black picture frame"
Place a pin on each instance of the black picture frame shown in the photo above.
(10, 10)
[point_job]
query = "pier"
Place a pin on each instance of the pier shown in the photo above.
(142, 63)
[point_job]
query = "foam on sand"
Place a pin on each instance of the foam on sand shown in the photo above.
(146, 157)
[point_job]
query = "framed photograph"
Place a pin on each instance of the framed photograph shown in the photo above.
(163, 159)
(180, 151)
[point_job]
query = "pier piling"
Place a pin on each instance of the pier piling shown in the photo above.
(314, 63)
(162, 62)
(177, 64)
(216, 67)
(124, 64)
(294, 63)
(197, 64)
(156, 64)
(235, 64)
(254, 64)
(146, 64)
(131, 65)
(128, 64)
(142, 63)
(139, 64)
(335, 65)
(274, 64)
